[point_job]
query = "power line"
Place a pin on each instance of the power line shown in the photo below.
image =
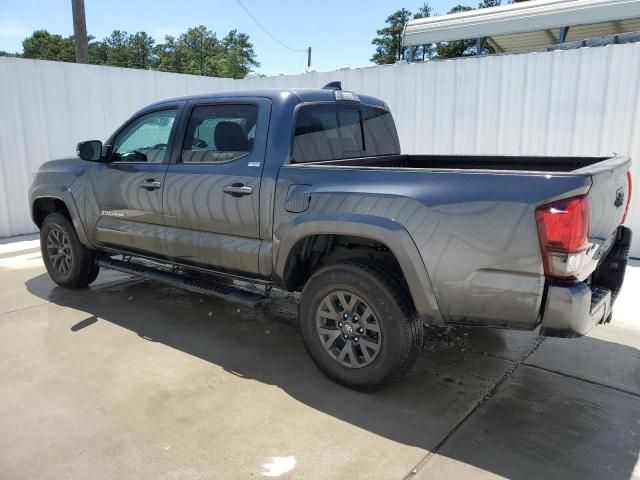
(267, 32)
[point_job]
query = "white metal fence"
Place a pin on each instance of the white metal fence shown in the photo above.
(574, 102)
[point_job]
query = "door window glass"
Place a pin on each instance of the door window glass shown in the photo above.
(145, 139)
(219, 133)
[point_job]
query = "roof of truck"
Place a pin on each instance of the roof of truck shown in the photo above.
(276, 95)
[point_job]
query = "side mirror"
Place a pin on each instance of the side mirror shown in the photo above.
(90, 150)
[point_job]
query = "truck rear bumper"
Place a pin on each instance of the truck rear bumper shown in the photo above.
(573, 310)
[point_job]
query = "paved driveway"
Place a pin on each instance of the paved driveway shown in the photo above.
(130, 379)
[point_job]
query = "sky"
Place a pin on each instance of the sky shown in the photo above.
(339, 32)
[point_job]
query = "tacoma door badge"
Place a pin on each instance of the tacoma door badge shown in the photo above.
(112, 213)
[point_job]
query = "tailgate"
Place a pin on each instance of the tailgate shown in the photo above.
(608, 199)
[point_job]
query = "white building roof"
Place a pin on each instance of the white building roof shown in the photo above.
(528, 25)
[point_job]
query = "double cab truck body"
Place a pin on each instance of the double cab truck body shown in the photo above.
(307, 190)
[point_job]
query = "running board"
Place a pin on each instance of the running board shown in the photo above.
(186, 282)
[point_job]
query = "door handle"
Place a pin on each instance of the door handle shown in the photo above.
(237, 190)
(150, 184)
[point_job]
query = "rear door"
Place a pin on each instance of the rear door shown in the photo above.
(124, 195)
(212, 187)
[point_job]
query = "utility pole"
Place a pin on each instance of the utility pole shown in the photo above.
(80, 31)
(308, 57)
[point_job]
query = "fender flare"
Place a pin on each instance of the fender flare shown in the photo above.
(383, 230)
(62, 193)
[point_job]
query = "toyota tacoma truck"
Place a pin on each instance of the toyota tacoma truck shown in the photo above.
(231, 194)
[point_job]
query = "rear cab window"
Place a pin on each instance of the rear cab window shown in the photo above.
(332, 131)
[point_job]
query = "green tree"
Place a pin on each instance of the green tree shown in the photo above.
(238, 55)
(98, 51)
(203, 51)
(141, 51)
(45, 46)
(389, 38)
(117, 48)
(171, 55)
(197, 51)
(424, 11)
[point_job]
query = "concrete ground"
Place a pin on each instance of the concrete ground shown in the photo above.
(130, 379)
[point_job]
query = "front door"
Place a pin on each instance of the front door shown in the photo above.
(212, 191)
(124, 195)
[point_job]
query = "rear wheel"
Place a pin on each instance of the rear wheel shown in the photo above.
(358, 327)
(69, 263)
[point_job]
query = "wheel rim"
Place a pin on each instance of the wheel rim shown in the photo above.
(59, 251)
(348, 329)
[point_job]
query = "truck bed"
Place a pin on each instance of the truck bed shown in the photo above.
(472, 162)
(473, 219)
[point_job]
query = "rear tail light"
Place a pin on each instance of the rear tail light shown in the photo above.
(563, 229)
(626, 209)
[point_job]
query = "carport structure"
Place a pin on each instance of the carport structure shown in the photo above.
(529, 26)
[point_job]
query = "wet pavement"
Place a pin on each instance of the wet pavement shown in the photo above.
(131, 379)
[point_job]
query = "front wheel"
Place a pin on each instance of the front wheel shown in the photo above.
(69, 263)
(358, 327)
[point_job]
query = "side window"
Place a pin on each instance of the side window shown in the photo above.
(145, 139)
(324, 132)
(219, 133)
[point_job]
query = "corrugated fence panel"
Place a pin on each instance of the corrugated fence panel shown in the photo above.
(573, 102)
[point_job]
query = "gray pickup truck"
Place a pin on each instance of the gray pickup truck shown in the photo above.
(307, 190)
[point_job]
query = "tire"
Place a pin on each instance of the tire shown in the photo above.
(77, 266)
(397, 344)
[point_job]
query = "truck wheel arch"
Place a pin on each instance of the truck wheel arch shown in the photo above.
(59, 202)
(382, 230)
